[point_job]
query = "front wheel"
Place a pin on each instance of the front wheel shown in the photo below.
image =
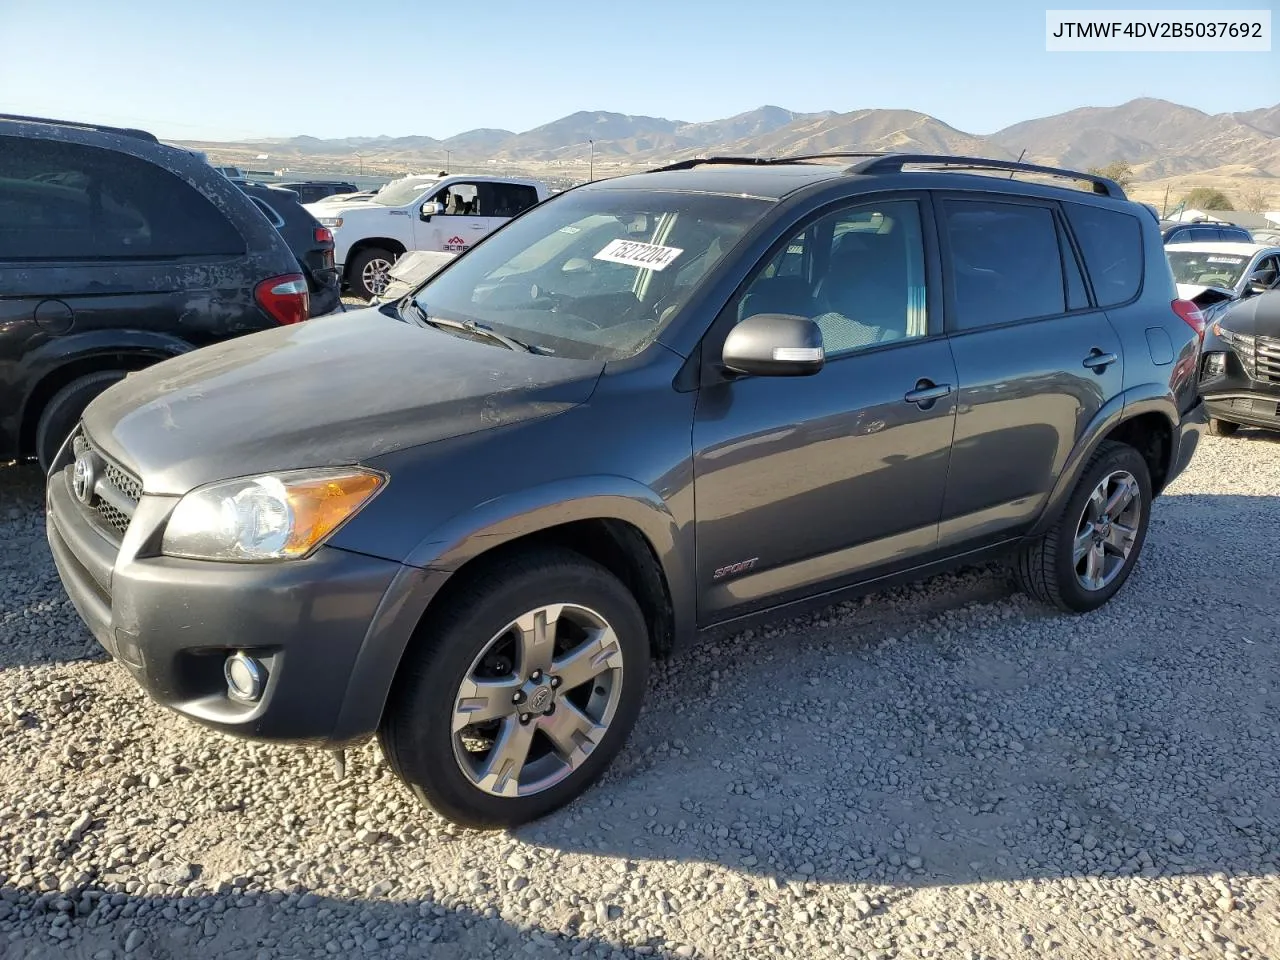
(521, 692)
(1222, 428)
(1086, 556)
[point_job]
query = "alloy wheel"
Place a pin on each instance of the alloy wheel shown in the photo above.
(1107, 530)
(537, 700)
(376, 276)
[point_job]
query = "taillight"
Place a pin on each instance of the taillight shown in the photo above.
(1190, 315)
(285, 298)
(324, 235)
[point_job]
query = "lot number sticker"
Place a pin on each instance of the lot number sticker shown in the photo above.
(633, 253)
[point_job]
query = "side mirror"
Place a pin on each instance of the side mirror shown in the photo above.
(1258, 283)
(774, 345)
(432, 208)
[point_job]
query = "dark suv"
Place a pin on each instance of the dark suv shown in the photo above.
(1203, 231)
(649, 407)
(311, 243)
(116, 252)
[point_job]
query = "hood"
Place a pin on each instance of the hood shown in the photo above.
(333, 390)
(1189, 291)
(1256, 316)
(336, 204)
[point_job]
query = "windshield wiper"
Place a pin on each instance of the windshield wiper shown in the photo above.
(472, 327)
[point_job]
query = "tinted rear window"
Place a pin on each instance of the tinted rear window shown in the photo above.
(70, 201)
(1111, 242)
(1005, 262)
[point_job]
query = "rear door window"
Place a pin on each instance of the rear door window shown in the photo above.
(506, 199)
(1111, 242)
(66, 201)
(1005, 263)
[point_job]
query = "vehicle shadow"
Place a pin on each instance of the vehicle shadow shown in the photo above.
(988, 741)
(297, 925)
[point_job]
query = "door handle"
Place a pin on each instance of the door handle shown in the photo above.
(926, 392)
(1097, 361)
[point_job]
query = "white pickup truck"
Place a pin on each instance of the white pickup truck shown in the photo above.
(443, 213)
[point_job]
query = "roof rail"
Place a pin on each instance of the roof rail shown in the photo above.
(894, 162)
(760, 161)
(122, 131)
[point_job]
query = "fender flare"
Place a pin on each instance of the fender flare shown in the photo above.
(1134, 402)
(479, 530)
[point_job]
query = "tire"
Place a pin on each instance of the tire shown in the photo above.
(418, 728)
(1046, 567)
(64, 409)
(367, 260)
(1222, 428)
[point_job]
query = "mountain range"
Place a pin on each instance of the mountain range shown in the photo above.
(1156, 137)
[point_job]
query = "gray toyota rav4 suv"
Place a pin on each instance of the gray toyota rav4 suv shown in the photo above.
(652, 406)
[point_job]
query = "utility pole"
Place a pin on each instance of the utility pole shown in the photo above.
(1164, 207)
(448, 156)
(591, 162)
(361, 159)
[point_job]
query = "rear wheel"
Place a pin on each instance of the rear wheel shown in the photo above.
(524, 690)
(64, 409)
(370, 272)
(1222, 428)
(1086, 556)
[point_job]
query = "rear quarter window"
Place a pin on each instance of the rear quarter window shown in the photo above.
(1111, 242)
(68, 201)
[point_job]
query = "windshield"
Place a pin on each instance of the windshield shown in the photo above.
(399, 192)
(592, 274)
(1207, 269)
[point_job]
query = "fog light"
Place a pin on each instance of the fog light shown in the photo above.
(245, 677)
(1215, 364)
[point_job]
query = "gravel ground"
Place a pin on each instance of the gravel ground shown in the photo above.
(942, 771)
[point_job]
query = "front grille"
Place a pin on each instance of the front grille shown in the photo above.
(1267, 359)
(112, 492)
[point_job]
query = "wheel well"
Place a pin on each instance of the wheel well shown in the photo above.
(1151, 435)
(616, 545)
(386, 243)
(63, 375)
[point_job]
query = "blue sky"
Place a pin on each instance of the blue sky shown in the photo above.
(193, 69)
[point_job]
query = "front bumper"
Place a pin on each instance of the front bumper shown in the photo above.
(1251, 408)
(1247, 391)
(172, 622)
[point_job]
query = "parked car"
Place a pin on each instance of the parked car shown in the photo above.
(650, 407)
(1201, 231)
(311, 243)
(1215, 275)
(117, 252)
(447, 214)
(312, 191)
(1240, 372)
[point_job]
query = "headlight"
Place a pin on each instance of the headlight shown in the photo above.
(1244, 347)
(278, 516)
(1233, 338)
(333, 223)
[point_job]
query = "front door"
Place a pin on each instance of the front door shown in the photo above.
(1036, 361)
(459, 227)
(807, 483)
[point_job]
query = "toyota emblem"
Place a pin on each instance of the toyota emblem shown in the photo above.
(82, 479)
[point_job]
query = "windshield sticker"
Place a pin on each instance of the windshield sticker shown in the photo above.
(570, 230)
(1234, 261)
(633, 253)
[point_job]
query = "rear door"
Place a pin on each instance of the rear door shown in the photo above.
(499, 202)
(1036, 360)
(95, 240)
